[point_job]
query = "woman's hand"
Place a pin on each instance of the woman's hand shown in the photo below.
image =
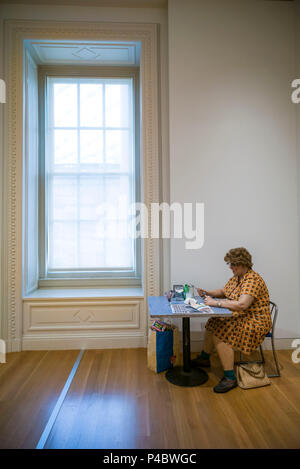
(208, 300)
(201, 292)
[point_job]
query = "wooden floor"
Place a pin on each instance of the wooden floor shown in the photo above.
(114, 401)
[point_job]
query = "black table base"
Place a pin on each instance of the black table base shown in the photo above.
(178, 376)
(186, 375)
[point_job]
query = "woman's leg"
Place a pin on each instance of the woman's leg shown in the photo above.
(208, 342)
(225, 353)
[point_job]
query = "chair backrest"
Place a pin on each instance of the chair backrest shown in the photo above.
(274, 313)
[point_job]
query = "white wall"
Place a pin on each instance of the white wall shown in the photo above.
(233, 142)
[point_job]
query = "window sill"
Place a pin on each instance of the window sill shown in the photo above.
(83, 293)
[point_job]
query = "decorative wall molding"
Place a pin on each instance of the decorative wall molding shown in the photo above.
(73, 315)
(16, 31)
(90, 53)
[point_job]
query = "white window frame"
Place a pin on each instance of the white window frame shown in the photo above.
(91, 278)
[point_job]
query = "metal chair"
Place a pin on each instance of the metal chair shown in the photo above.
(274, 314)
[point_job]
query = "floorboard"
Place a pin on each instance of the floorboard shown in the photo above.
(114, 401)
(30, 384)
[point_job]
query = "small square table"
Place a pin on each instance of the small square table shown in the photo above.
(160, 307)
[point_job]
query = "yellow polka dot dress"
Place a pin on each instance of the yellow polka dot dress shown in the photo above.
(246, 332)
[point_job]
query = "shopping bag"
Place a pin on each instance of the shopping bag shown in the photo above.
(163, 349)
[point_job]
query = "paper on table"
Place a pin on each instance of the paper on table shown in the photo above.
(201, 307)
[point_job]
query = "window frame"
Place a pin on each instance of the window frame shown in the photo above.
(90, 278)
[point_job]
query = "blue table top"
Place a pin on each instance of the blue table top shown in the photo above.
(159, 306)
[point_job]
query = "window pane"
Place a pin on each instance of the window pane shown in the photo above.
(62, 245)
(118, 197)
(65, 146)
(64, 198)
(92, 248)
(117, 109)
(89, 225)
(118, 254)
(91, 105)
(65, 105)
(91, 146)
(91, 194)
(117, 148)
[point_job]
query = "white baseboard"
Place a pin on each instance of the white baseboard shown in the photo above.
(84, 342)
(113, 341)
(280, 344)
(14, 345)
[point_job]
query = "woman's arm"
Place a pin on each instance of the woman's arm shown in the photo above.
(242, 304)
(215, 293)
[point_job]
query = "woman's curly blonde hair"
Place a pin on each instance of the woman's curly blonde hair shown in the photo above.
(239, 256)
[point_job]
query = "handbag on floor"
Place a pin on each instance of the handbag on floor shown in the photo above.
(251, 375)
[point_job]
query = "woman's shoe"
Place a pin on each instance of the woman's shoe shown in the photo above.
(225, 385)
(201, 362)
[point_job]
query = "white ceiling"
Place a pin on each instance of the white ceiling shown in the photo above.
(84, 52)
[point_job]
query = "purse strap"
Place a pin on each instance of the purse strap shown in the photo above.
(260, 373)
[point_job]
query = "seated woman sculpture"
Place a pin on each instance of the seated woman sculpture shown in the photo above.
(247, 296)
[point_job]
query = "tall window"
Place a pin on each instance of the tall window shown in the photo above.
(89, 178)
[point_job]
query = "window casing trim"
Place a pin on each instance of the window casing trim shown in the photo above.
(16, 31)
